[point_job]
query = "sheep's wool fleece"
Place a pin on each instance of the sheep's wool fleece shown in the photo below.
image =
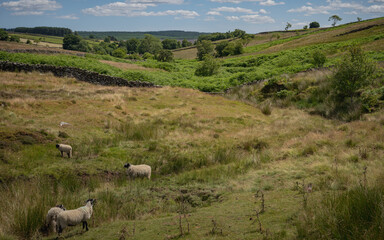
(65, 148)
(74, 217)
(53, 212)
(142, 170)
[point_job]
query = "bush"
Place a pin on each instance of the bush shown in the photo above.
(319, 58)
(208, 67)
(3, 35)
(164, 56)
(204, 48)
(119, 53)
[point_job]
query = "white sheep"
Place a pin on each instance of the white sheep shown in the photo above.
(64, 148)
(75, 216)
(51, 218)
(141, 170)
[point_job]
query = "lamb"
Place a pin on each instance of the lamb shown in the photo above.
(64, 148)
(75, 216)
(142, 170)
(51, 218)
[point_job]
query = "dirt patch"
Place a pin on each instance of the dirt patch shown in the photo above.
(128, 66)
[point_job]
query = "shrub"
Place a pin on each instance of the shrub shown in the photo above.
(319, 58)
(204, 48)
(119, 53)
(208, 67)
(164, 56)
(3, 35)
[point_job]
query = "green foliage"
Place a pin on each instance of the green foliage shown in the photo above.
(186, 43)
(52, 31)
(354, 72)
(204, 48)
(150, 44)
(335, 19)
(208, 67)
(314, 25)
(120, 53)
(170, 44)
(288, 26)
(75, 42)
(319, 58)
(14, 39)
(3, 35)
(164, 56)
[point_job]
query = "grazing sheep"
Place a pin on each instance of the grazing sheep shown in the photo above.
(64, 148)
(51, 218)
(142, 170)
(75, 216)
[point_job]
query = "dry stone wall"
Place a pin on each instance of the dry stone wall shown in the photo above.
(79, 74)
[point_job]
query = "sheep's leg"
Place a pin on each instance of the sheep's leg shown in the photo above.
(62, 155)
(69, 154)
(85, 224)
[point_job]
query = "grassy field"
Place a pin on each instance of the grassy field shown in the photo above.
(258, 162)
(209, 155)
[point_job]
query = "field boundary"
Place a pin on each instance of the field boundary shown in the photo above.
(79, 74)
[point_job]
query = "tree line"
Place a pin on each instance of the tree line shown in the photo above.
(51, 31)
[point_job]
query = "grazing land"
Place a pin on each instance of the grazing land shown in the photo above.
(265, 160)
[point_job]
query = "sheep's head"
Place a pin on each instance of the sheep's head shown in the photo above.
(61, 206)
(92, 200)
(127, 165)
(57, 145)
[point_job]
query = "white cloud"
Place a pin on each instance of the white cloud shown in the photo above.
(233, 9)
(214, 13)
(235, 1)
(232, 18)
(262, 11)
(337, 5)
(30, 7)
(70, 17)
(117, 9)
(157, 1)
(271, 3)
(257, 19)
(210, 18)
(351, 13)
(179, 13)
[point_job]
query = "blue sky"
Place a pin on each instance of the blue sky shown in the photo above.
(191, 15)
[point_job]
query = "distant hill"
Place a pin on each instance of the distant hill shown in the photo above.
(174, 34)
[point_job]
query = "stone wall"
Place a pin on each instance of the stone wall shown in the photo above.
(79, 74)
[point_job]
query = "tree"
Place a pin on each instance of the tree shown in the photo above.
(169, 43)
(204, 47)
(305, 27)
(164, 56)
(319, 58)
(3, 35)
(132, 45)
(288, 26)
(335, 19)
(359, 19)
(120, 52)
(150, 44)
(314, 25)
(208, 67)
(220, 48)
(107, 39)
(186, 43)
(75, 42)
(352, 73)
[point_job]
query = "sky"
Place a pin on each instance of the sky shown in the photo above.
(253, 16)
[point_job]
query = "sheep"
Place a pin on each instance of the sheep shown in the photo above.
(51, 218)
(64, 148)
(142, 170)
(75, 216)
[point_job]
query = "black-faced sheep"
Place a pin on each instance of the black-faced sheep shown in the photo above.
(75, 216)
(138, 171)
(64, 148)
(51, 218)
